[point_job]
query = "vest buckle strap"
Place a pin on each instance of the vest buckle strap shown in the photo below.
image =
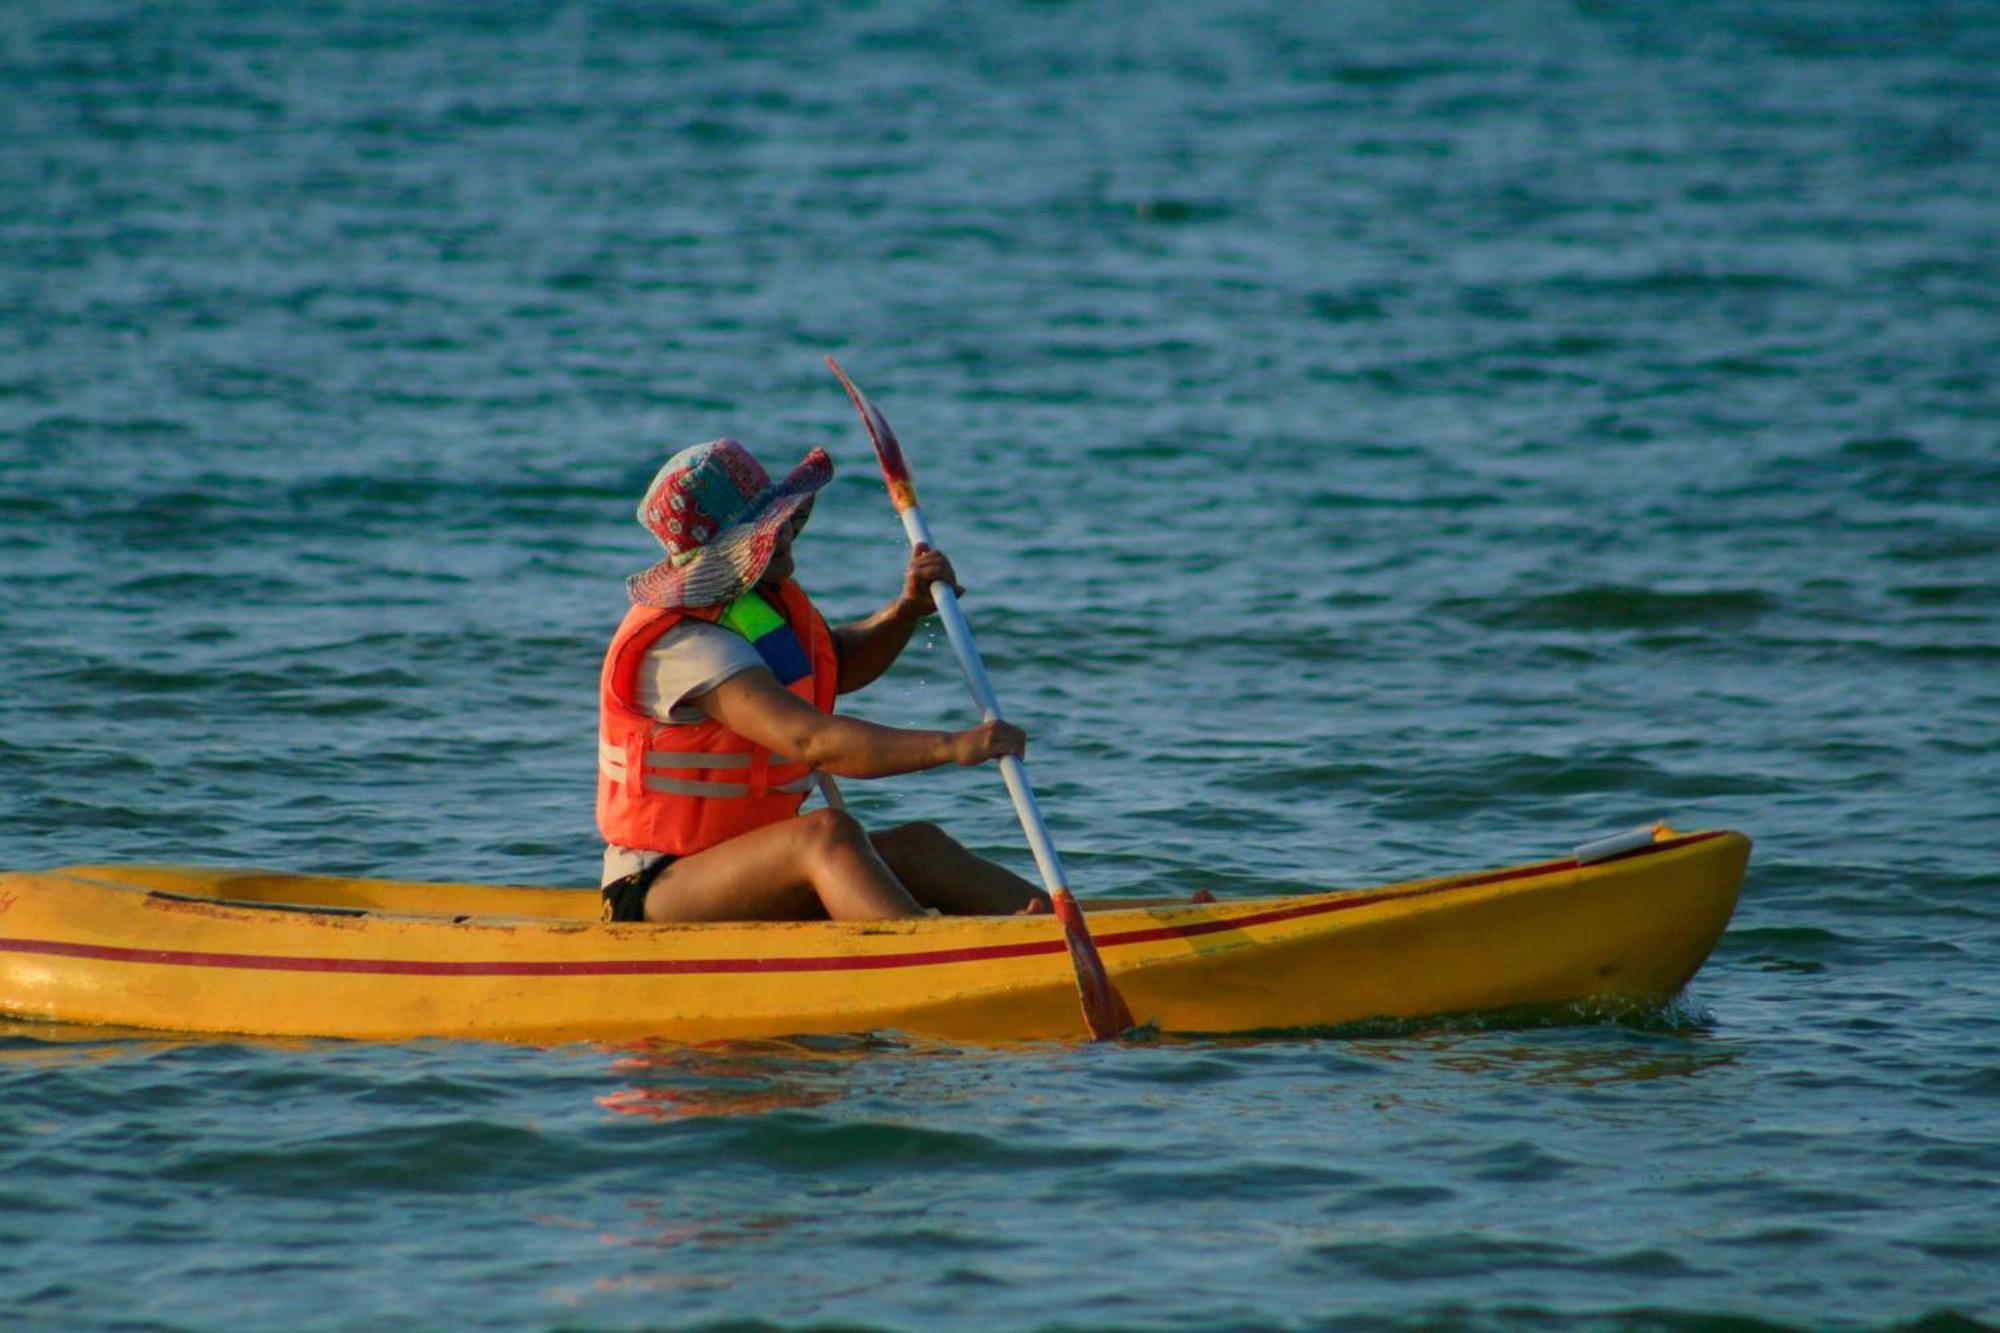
(635, 764)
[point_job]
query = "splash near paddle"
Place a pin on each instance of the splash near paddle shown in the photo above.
(1104, 1011)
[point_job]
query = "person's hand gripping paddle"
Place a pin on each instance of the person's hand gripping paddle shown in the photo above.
(1103, 1011)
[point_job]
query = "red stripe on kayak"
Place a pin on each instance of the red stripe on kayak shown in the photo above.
(819, 963)
(607, 967)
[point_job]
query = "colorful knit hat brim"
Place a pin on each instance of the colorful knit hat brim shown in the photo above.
(717, 566)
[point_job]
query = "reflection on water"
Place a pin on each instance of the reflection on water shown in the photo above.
(671, 1082)
(53, 1044)
(675, 1103)
(733, 1078)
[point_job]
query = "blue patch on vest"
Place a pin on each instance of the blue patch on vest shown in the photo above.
(784, 654)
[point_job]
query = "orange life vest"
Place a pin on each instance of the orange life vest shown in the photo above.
(682, 787)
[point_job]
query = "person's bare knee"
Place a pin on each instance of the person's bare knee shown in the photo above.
(840, 860)
(921, 840)
(831, 831)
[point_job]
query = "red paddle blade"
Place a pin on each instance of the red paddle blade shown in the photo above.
(896, 472)
(1104, 1011)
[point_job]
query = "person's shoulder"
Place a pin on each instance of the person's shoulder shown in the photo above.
(690, 630)
(704, 639)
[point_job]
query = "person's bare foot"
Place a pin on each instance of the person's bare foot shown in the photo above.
(1034, 907)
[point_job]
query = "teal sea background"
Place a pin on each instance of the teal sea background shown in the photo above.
(1378, 439)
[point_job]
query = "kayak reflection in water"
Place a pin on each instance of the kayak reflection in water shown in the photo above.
(716, 721)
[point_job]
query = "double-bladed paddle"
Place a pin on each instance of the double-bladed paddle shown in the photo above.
(1103, 1011)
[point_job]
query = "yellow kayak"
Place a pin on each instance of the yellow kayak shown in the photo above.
(258, 952)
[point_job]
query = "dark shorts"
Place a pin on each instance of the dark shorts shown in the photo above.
(625, 899)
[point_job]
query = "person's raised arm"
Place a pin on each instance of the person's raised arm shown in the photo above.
(867, 647)
(753, 705)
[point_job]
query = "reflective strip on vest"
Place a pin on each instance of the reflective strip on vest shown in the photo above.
(611, 762)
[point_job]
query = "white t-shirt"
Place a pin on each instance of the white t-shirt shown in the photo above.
(691, 658)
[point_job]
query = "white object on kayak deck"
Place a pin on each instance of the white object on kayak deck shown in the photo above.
(1616, 844)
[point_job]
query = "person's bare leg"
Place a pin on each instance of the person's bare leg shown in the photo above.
(940, 873)
(816, 865)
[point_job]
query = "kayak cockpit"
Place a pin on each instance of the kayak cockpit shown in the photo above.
(259, 888)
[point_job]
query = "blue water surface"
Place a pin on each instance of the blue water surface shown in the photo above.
(1379, 439)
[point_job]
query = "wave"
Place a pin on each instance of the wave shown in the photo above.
(1611, 606)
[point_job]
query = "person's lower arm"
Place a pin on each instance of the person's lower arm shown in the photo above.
(850, 748)
(868, 647)
(753, 704)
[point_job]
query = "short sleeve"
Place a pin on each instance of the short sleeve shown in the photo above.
(691, 658)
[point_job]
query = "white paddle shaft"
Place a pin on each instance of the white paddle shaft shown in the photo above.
(1011, 769)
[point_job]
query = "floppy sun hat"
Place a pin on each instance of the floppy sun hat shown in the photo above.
(715, 510)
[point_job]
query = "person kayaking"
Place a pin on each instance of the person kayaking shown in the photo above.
(716, 721)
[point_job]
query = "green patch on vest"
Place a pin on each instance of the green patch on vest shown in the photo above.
(752, 617)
